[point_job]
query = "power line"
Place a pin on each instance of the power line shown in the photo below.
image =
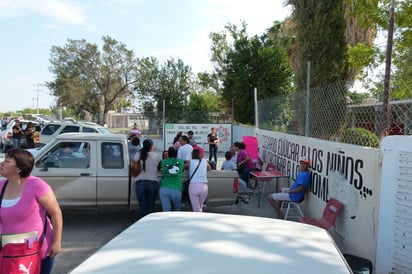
(37, 89)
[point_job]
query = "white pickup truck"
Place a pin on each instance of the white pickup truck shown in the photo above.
(88, 169)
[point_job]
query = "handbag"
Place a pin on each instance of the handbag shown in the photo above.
(18, 257)
(136, 168)
(186, 183)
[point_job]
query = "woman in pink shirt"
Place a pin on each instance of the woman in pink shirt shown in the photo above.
(25, 203)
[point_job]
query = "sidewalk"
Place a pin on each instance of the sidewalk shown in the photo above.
(250, 209)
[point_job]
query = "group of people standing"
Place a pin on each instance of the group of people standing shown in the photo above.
(238, 159)
(183, 154)
(18, 133)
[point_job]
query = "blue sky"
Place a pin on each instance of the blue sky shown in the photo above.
(159, 28)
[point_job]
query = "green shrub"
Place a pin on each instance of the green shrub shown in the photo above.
(360, 136)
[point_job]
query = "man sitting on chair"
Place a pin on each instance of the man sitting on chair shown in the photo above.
(296, 192)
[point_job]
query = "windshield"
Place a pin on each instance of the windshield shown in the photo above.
(104, 130)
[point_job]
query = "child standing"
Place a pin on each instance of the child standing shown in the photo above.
(229, 165)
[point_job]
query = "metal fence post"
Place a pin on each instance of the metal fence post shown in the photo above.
(307, 101)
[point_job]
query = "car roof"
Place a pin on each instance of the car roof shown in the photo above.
(92, 136)
(192, 242)
(73, 123)
(22, 121)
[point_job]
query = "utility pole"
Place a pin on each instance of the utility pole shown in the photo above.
(37, 86)
(307, 100)
(386, 89)
(256, 109)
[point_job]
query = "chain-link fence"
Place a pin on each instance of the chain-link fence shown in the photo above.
(153, 124)
(332, 116)
(324, 112)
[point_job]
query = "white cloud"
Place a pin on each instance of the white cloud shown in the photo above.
(53, 27)
(67, 12)
(258, 14)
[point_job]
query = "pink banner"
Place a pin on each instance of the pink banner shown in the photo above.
(251, 143)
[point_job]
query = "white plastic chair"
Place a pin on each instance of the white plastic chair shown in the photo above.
(291, 210)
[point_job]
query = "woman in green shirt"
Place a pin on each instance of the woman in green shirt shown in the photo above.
(171, 185)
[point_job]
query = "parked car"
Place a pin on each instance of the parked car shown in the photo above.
(52, 129)
(88, 169)
(43, 119)
(6, 134)
(191, 242)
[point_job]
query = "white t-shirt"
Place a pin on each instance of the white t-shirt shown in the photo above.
(185, 152)
(201, 173)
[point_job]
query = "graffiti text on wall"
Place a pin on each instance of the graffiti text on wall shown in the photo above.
(285, 155)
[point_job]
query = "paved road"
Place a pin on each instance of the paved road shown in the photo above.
(85, 232)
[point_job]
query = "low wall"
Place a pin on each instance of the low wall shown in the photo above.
(394, 249)
(349, 173)
(353, 175)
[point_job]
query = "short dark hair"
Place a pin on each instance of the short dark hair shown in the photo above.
(24, 160)
(190, 132)
(228, 155)
(236, 144)
(172, 152)
(196, 154)
(185, 138)
(135, 140)
(242, 145)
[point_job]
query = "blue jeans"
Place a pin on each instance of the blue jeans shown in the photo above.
(213, 152)
(171, 199)
(146, 193)
(244, 174)
(47, 265)
(16, 142)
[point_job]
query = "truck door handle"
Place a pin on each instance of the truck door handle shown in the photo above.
(84, 174)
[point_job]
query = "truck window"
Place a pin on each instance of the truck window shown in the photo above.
(66, 155)
(67, 129)
(88, 129)
(112, 156)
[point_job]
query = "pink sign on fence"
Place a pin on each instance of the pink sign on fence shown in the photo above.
(251, 143)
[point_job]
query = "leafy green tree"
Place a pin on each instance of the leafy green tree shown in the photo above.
(209, 81)
(171, 82)
(376, 13)
(220, 47)
(356, 98)
(402, 56)
(320, 38)
(248, 63)
(361, 17)
(89, 80)
(200, 106)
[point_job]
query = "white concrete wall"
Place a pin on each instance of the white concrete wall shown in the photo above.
(238, 131)
(362, 178)
(394, 247)
(349, 173)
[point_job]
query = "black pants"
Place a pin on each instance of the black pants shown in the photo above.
(213, 151)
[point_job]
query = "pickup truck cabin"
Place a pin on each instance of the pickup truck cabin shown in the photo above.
(89, 169)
